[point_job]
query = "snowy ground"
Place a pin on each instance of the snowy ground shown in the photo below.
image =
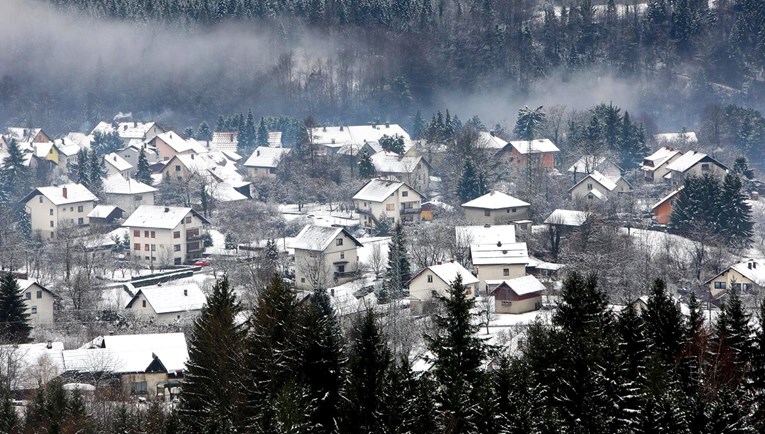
(320, 214)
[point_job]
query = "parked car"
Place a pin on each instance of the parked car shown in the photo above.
(201, 263)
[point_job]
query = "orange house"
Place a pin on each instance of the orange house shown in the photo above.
(662, 211)
(520, 152)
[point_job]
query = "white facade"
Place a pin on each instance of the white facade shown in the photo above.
(39, 302)
(324, 257)
(394, 200)
(437, 279)
(51, 208)
(165, 235)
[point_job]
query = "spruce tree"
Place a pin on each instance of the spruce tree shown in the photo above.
(366, 168)
(735, 213)
(262, 135)
(457, 357)
(9, 419)
(14, 319)
(529, 123)
(732, 344)
(250, 131)
(143, 172)
(398, 271)
(471, 183)
(757, 371)
(82, 168)
(418, 126)
(203, 132)
(212, 398)
(664, 323)
(16, 175)
(728, 413)
(97, 171)
(394, 144)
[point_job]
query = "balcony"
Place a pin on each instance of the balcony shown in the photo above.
(411, 210)
(195, 247)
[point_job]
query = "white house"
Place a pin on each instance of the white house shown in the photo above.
(694, 163)
(127, 194)
(222, 179)
(51, 208)
(518, 295)
(144, 131)
(167, 302)
(494, 263)
(164, 235)
(324, 257)
(597, 186)
(436, 279)
(333, 138)
(392, 199)
(654, 166)
(265, 160)
(591, 163)
(747, 276)
(39, 301)
(170, 144)
(414, 170)
(495, 208)
(132, 151)
(116, 165)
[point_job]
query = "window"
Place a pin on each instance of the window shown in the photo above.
(34, 310)
(139, 388)
(51, 223)
(390, 207)
(79, 208)
(80, 221)
(404, 194)
(342, 255)
(719, 285)
(705, 167)
(177, 234)
(146, 247)
(514, 210)
(188, 219)
(136, 234)
(746, 286)
(506, 272)
(51, 211)
(29, 295)
(39, 294)
(138, 198)
(487, 212)
(41, 199)
(185, 292)
(143, 303)
(136, 246)
(341, 268)
(339, 242)
(71, 209)
(153, 234)
(177, 168)
(590, 196)
(506, 303)
(146, 234)
(589, 186)
(177, 261)
(177, 248)
(302, 280)
(430, 278)
(153, 247)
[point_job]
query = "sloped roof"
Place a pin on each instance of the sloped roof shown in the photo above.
(23, 134)
(499, 254)
(159, 217)
(264, 156)
(318, 238)
(658, 158)
(129, 353)
(689, 137)
(358, 134)
(667, 197)
(567, 217)
(523, 285)
(117, 184)
(171, 298)
(486, 234)
(690, 159)
(102, 211)
(377, 190)
(535, 146)
(598, 177)
(448, 271)
(754, 272)
(117, 162)
(175, 141)
(43, 149)
(74, 193)
(489, 140)
(495, 200)
(590, 163)
(389, 162)
(126, 130)
(29, 357)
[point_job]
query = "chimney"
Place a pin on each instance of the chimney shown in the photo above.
(499, 243)
(170, 135)
(451, 261)
(167, 209)
(333, 141)
(491, 133)
(387, 125)
(192, 156)
(49, 345)
(324, 129)
(185, 292)
(341, 128)
(439, 263)
(135, 123)
(749, 265)
(114, 158)
(63, 192)
(257, 153)
(332, 292)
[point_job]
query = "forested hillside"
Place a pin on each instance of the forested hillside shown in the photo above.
(354, 60)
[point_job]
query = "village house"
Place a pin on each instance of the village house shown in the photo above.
(105, 216)
(132, 130)
(143, 365)
(466, 236)
(693, 163)
(171, 144)
(662, 210)
(389, 199)
(654, 166)
(116, 165)
(687, 138)
(493, 263)
(275, 139)
(26, 135)
(221, 177)
(519, 153)
(435, 280)
(591, 163)
(224, 141)
(415, 171)
(55, 207)
(331, 139)
(167, 303)
(520, 295)
(597, 186)
(132, 151)
(495, 208)
(26, 367)
(164, 235)
(324, 257)
(39, 301)
(745, 276)
(264, 161)
(127, 194)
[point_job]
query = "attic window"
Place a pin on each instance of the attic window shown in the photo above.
(506, 272)
(487, 213)
(430, 278)
(404, 194)
(143, 303)
(41, 199)
(589, 186)
(339, 242)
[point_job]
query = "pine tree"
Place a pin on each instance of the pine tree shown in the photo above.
(16, 176)
(757, 371)
(697, 208)
(97, 171)
(14, 319)
(732, 343)
(735, 213)
(457, 357)
(82, 168)
(212, 398)
(398, 271)
(728, 414)
(369, 361)
(143, 172)
(203, 132)
(262, 133)
(664, 323)
(366, 168)
(220, 125)
(250, 132)
(529, 123)
(9, 420)
(418, 126)
(394, 144)
(471, 183)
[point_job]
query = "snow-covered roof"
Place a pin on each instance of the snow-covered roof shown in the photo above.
(102, 211)
(117, 162)
(358, 134)
(171, 298)
(117, 184)
(690, 159)
(377, 190)
(23, 134)
(495, 200)
(523, 285)
(318, 238)
(82, 140)
(213, 164)
(64, 194)
(499, 254)
(752, 270)
(34, 362)
(129, 353)
(69, 150)
(126, 130)
(224, 192)
(491, 141)
(597, 193)
(567, 217)
(535, 146)
(667, 197)
(42, 150)
(231, 155)
(688, 137)
(264, 156)
(486, 234)
(275, 139)
(598, 177)
(175, 141)
(389, 162)
(589, 163)
(658, 158)
(159, 217)
(448, 271)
